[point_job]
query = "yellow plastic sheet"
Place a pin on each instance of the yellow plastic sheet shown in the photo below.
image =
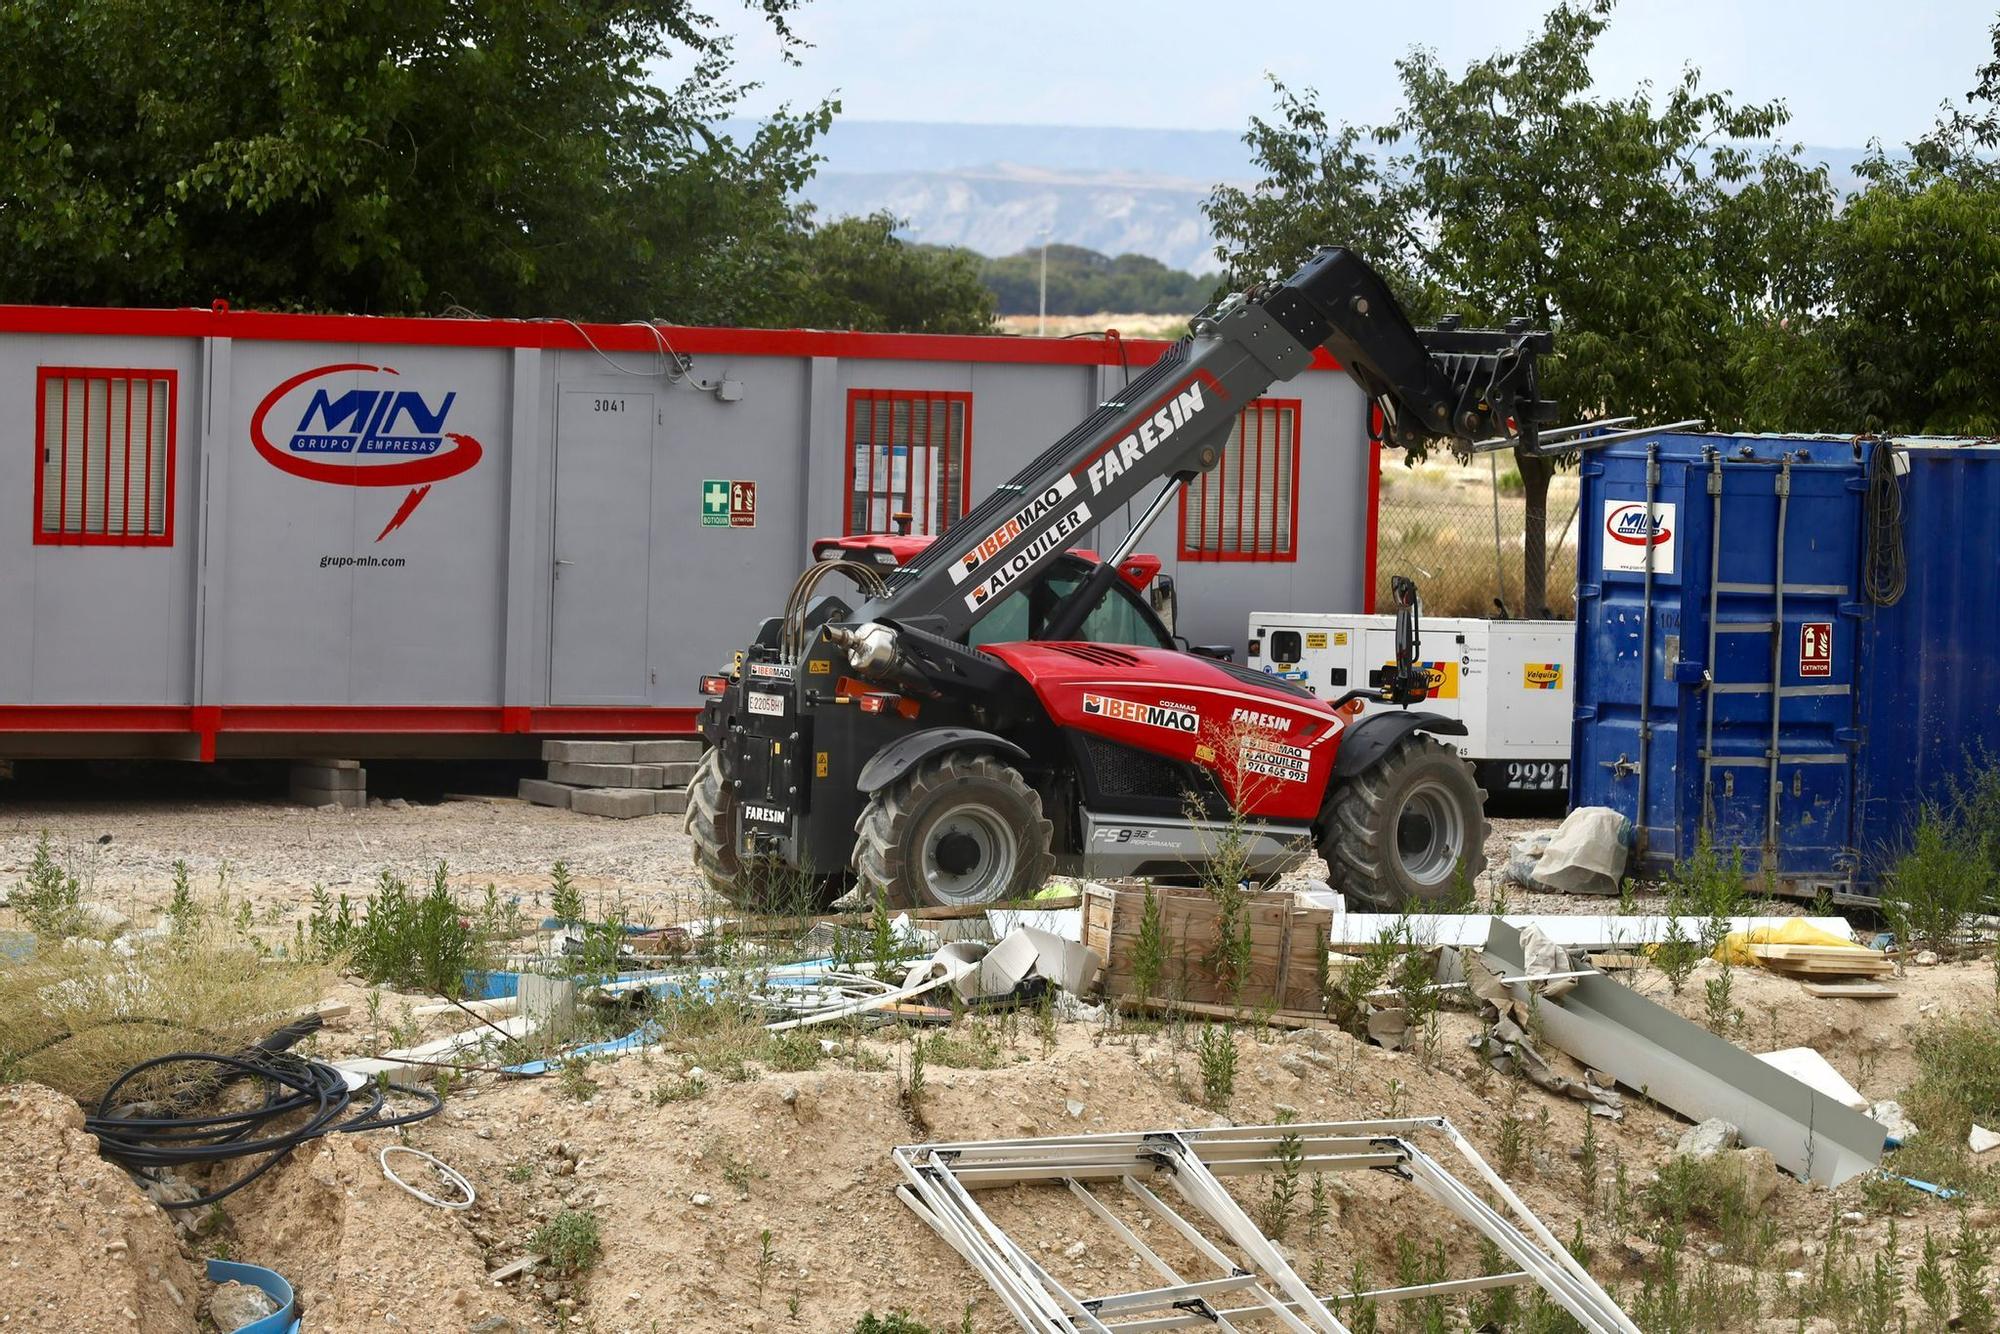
(1734, 948)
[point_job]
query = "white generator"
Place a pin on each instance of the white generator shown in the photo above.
(1508, 681)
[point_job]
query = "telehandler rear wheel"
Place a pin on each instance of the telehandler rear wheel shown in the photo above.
(1410, 829)
(762, 884)
(959, 829)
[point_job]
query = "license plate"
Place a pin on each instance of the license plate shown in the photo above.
(767, 704)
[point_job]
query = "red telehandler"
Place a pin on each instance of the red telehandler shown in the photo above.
(989, 708)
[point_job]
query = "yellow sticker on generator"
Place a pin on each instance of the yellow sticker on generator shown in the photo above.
(1316, 639)
(1441, 677)
(1340, 639)
(819, 765)
(1541, 676)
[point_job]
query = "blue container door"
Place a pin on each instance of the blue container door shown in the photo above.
(1627, 740)
(1758, 629)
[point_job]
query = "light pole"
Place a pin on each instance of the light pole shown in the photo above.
(1042, 310)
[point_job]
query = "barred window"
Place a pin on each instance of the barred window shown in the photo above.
(909, 453)
(1246, 508)
(107, 445)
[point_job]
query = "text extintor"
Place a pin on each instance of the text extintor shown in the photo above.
(728, 504)
(1816, 648)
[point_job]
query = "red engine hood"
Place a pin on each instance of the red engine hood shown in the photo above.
(1271, 750)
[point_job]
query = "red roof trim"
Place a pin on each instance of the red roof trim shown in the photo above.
(269, 326)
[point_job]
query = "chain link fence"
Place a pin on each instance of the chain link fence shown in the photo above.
(1456, 528)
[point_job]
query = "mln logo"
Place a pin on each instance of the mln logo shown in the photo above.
(1170, 716)
(349, 424)
(1628, 524)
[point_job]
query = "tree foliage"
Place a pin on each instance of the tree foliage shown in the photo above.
(1908, 336)
(1691, 263)
(860, 275)
(1085, 282)
(400, 156)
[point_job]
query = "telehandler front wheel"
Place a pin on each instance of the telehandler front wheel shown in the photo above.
(959, 829)
(1409, 829)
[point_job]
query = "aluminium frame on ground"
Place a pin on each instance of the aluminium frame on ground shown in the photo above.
(942, 1179)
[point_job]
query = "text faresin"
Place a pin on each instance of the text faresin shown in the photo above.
(1151, 433)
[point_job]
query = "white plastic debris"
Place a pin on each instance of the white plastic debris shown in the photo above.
(1894, 1120)
(1814, 1071)
(1981, 1140)
(1525, 855)
(1587, 854)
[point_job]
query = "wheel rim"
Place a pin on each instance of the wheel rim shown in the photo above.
(970, 855)
(1430, 834)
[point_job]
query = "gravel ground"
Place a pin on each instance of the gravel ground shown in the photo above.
(125, 838)
(275, 853)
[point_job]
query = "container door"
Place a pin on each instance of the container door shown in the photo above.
(603, 531)
(1633, 561)
(1781, 642)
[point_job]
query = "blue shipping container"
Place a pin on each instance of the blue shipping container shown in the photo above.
(1712, 567)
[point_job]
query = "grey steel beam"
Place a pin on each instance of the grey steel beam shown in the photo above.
(1610, 1027)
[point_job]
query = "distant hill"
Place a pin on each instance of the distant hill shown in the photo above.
(1085, 282)
(997, 188)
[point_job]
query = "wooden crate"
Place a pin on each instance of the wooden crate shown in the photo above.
(1288, 944)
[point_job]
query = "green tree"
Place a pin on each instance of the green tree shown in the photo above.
(1638, 227)
(1911, 333)
(511, 159)
(856, 274)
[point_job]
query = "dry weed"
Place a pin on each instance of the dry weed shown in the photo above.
(76, 1016)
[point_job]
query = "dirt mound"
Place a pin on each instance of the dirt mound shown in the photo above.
(359, 1251)
(89, 1251)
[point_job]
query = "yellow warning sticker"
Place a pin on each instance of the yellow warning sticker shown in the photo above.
(819, 765)
(1340, 639)
(819, 667)
(1441, 678)
(1316, 639)
(1541, 676)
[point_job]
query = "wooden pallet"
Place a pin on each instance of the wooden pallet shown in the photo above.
(1288, 944)
(1823, 960)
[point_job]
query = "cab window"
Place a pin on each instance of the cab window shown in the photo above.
(1118, 618)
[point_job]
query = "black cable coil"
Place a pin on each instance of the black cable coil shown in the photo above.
(1887, 571)
(302, 1100)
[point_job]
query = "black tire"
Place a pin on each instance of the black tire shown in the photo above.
(1409, 829)
(958, 829)
(763, 885)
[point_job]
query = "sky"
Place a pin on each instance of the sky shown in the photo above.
(1849, 71)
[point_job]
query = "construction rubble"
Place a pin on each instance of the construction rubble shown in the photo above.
(1122, 1106)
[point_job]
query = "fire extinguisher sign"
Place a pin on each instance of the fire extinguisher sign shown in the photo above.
(1816, 648)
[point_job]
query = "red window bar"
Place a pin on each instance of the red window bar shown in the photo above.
(908, 452)
(106, 474)
(1247, 507)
